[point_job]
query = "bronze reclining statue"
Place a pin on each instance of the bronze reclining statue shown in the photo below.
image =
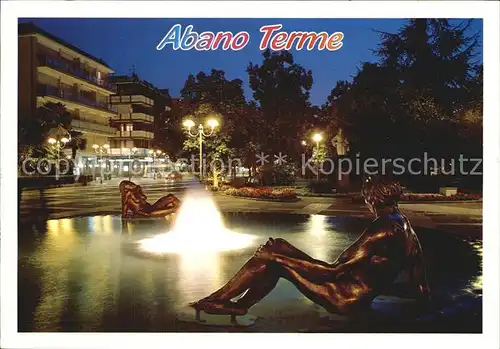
(134, 200)
(367, 268)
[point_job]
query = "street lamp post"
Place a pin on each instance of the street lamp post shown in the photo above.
(58, 145)
(130, 151)
(100, 150)
(189, 124)
(156, 155)
(317, 138)
(160, 161)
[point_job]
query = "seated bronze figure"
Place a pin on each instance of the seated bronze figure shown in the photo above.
(134, 200)
(367, 268)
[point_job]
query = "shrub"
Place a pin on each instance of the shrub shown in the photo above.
(277, 175)
(321, 186)
(239, 182)
(263, 193)
(429, 197)
(283, 175)
(439, 197)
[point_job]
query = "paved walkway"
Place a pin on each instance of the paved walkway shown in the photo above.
(96, 198)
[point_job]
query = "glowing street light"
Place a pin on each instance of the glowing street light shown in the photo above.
(156, 155)
(58, 145)
(189, 124)
(130, 151)
(212, 123)
(317, 137)
(100, 150)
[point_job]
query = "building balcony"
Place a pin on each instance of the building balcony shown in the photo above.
(65, 96)
(131, 117)
(91, 127)
(45, 61)
(131, 99)
(124, 153)
(135, 134)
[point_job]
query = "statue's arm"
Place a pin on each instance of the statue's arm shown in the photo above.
(418, 278)
(369, 249)
(130, 203)
(314, 268)
(125, 203)
(360, 252)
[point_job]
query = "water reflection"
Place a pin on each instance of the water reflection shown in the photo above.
(317, 225)
(61, 242)
(200, 273)
(101, 225)
(476, 284)
(317, 228)
(81, 276)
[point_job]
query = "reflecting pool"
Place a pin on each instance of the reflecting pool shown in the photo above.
(94, 274)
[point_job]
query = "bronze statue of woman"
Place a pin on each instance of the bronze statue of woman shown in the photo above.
(347, 286)
(134, 200)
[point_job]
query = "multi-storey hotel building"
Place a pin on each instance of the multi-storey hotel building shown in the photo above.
(137, 103)
(52, 70)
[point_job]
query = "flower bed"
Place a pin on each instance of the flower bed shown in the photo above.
(429, 197)
(439, 197)
(263, 193)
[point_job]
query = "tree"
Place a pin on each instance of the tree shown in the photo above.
(214, 147)
(471, 118)
(162, 125)
(281, 89)
(248, 136)
(35, 130)
(78, 142)
(411, 100)
(173, 134)
(433, 57)
(225, 96)
(207, 96)
(50, 120)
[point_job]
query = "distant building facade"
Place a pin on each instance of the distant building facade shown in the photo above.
(122, 113)
(140, 106)
(52, 70)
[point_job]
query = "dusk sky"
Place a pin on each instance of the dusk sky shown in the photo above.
(123, 43)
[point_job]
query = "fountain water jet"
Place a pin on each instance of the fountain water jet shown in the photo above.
(198, 228)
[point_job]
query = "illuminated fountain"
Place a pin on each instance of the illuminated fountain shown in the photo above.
(198, 228)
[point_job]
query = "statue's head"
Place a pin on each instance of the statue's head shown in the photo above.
(139, 193)
(130, 187)
(380, 193)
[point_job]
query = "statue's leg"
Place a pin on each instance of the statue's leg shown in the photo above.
(260, 288)
(259, 278)
(283, 247)
(167, 201)
(251, 273)
(268, 281)
(257, 272)
(316, 292)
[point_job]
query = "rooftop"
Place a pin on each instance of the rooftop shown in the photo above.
(31, 28)
(134, 78)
